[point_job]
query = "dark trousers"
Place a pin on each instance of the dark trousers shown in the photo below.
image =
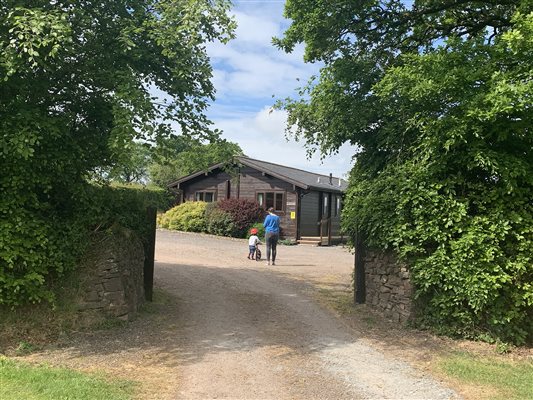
(271, 244)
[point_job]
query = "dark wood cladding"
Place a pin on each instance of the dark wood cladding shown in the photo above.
(250, 182)
(215, 181)
(253, 181)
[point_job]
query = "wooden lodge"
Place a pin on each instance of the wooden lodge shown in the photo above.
(308, 204)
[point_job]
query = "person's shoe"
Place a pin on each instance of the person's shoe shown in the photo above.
(253, 258)
(273, 263)
(268, 263)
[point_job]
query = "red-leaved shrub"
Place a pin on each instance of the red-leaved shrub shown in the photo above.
(244, 213)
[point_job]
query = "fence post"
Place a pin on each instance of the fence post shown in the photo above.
(149, 253)
(360, 287)
(329, 231)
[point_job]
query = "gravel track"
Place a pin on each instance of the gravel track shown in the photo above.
(237, 329)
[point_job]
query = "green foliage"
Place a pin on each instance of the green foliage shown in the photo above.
(133, 164)
(178, 156)
(109, 206)
(260, 230)
(457, 200)
(37, 252)
(36, 243)
(442, 118)
(73, 97)
(150, 195)
(219, 222)
(25, 348)
(188, 217)
(41, 382)
(231, 217)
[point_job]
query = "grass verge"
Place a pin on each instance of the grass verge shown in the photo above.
(493, 378)
(41, 382)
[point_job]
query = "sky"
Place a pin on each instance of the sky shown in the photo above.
(250, 74)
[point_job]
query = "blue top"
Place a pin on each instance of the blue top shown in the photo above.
(271, 223)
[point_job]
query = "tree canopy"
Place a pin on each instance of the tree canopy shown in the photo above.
(437, 98)
(179, 156)
(77, 84)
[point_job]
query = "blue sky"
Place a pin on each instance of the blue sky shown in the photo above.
(249, 75)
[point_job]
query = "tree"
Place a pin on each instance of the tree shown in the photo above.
(76, 84)
(184, 157)
(134, 164)
(437, 97)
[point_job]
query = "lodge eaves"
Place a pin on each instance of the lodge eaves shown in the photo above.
(297, 177)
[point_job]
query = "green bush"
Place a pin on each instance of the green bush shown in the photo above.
(260, 230)
(34, 249)
(120, 205)
(469, 247)
(233, 218)
(43, 241)
(188, 217)
(152, 195)
(219, 222)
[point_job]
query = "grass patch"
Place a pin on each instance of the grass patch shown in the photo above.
(340, 301)
(24, 348)
(42, 382)
(496, 379)
(27, 328)
(160, 298)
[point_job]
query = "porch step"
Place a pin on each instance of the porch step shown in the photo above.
(315, 240)
(312, 240)
(309, 242)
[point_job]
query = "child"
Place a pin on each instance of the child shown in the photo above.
(253, 241)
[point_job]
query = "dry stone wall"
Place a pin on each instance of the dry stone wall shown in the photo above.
(388, 288)
(112, 277)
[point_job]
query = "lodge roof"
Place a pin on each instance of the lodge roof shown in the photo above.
(298, 177)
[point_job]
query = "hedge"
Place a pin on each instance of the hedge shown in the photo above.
(44, 240)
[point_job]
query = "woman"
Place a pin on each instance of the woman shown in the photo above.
(271, 225)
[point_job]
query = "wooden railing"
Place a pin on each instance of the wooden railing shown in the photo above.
(325, 230)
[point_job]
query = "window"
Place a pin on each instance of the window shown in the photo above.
(278, 205)
(208, 197)
(337, 206)
(270, 199)
(325, 205)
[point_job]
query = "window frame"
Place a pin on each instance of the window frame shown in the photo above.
(325, 207)
(203, 193)
(338, 205)
(275, 198)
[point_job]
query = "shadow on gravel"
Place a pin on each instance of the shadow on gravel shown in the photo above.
(207, 310)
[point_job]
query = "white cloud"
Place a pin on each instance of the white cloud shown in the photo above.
(262, 136)
(251, 66)
(256, 29)
(247, 72)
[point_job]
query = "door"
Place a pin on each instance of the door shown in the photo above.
(309, 214)
(325, 216)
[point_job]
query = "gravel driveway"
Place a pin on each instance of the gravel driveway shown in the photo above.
(232, 328)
